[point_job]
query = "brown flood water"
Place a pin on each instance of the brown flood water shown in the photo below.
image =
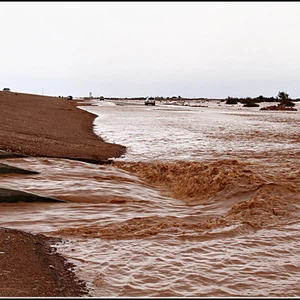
(204, 204)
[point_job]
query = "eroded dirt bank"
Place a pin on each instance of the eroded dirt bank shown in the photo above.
(37, 125)
(34, 125)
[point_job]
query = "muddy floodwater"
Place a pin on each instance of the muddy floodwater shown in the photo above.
(205, 203)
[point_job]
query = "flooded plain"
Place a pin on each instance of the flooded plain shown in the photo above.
(205, 203)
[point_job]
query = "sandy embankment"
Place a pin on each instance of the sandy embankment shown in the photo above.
(35, 125)
(50, 126)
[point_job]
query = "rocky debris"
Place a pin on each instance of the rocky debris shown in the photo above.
(13, 196)
(6, 169)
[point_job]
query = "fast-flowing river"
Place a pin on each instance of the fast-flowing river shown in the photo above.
(205, 203)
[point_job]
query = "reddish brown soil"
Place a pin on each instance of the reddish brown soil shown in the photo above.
(50, 126)
(30, 267)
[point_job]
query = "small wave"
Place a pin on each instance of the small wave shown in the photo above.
(142, 227)
(231, 194)
(251, 195)
(198, 182)
(271, 204)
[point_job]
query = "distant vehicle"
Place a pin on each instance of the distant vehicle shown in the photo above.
(6, 89)
(70, 97)
(150, 101)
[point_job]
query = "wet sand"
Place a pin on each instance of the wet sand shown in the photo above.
(42, 126)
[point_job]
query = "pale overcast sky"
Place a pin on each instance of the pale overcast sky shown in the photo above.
(131, 49)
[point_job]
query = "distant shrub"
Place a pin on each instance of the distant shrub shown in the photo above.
(230, 100)
(287, 102)
(283, 95)
(251, 104)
